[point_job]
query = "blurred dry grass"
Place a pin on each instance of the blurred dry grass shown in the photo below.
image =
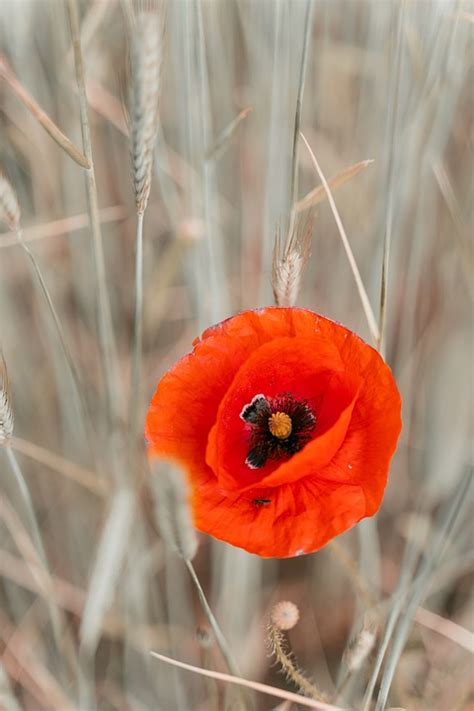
(385, 80)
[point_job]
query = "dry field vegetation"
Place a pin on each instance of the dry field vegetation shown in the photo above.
(208, 97)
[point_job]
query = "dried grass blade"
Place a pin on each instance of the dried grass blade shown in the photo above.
(448, 628)
(318, 194)
(224, 139)
(49, 126)
(61, 227)
(308, 21)
(255, 685)
(70, 470)
(106, 334)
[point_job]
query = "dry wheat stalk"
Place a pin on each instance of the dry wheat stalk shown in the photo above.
(145, 62)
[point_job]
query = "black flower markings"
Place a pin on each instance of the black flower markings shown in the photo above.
(280, 427)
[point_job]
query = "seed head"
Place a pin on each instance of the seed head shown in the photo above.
(285, 615)
(6, 410)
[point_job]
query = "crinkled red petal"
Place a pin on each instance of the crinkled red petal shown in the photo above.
(340, 475)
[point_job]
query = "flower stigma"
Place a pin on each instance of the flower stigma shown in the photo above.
(280, 425)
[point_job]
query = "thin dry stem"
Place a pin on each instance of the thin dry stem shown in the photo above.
(448, 628)
(289, 668)
(219, 637)
(255, 685)
(106, 337)
(372, 323)
(62, 227)
(308, 21)
(137, 344)
(76, 380)
(50, 127)
(60, 465)
(224, 139)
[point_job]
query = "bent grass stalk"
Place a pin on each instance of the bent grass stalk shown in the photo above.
(70, 470)
(369, 314)
(76, 381)
(220, 639)
(49, 126)
(224, 139)
(255, 685)
(106, 337)
(173, 518)
(288, 665)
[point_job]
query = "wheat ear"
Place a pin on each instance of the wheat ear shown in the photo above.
(145, 63)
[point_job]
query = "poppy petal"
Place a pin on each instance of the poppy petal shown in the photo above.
(204, 409)
(297, 520)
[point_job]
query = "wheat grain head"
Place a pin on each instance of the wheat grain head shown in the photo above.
(145, 63)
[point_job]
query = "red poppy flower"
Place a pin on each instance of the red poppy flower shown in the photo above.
(285, 423)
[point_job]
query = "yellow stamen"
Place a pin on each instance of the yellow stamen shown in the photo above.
(280, 425)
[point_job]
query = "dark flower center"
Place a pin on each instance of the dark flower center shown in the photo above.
(280, 427)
